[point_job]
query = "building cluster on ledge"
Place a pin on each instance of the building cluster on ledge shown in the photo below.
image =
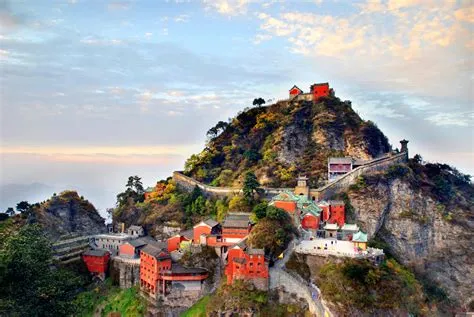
(316, 91)
(323, 225)
(160, 274)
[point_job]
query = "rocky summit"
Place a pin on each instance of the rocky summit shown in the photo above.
(281, 140)
(67, 214)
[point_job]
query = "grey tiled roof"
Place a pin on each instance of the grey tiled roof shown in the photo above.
(138, 242)
(340, 160)
(95, 252)
(179, 269)
(236, 221)
(211, 222)
(187, 234)
(155, 249)
(256, 251)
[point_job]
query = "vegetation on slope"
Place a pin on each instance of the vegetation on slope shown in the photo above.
(242, 298)
(28, 283)
(273, 231)
(445, 184)
(198, 309)
(167, 204)
(279, 141)
(107, 299)
(357, 285)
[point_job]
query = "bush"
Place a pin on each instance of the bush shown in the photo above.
(397, 171)
(384, 284)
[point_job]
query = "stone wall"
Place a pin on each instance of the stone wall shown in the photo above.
(325, 192)
(126, 271)
(350, 178)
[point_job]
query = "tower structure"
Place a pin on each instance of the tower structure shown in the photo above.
(302, 187)
(404, 147)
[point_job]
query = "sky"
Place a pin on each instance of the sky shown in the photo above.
(93, 91)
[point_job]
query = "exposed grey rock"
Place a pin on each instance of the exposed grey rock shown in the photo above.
(68, 214)
(419, 236)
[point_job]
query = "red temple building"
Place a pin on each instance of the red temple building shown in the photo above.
(97, 261)
(295, 91)
(310, 221)
(338, 166)
(204, 228)
(247, 264)
(154, 259)
(320, 90)
(175, 241)
(131, 249)
(337, 212)
(235, 227)
(184, 278)
(158, 274)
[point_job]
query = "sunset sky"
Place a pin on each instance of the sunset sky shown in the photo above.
(95, 91)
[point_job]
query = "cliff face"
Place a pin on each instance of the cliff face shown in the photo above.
(282, 140)
(67, 213)
(432, 236)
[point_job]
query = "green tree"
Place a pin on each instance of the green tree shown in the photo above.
(191, 163)
(260, 210)
(10, 211)
(251, 186)
(258, 101)
(133, 191)
(272, 232)
(28, 285)
(417, 159)
(23, 207)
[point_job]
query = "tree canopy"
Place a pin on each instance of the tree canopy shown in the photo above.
(23, 207)
(273, 232)
(251, 186)
(258, 101)
(134, 190)
(28, 285)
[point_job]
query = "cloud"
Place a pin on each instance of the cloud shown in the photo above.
(227, 7)
(90, 40)
(182, 18)
(148, 34)
(454, 119)
(8, 20)
(465, 14)
(118, 5)
(419, 43)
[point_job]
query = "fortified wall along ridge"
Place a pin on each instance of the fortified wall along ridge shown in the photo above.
(325, 192)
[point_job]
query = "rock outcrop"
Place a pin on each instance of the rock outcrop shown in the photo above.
(67, 214)
(420, 233)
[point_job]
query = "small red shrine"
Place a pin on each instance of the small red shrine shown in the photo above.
(97, 261)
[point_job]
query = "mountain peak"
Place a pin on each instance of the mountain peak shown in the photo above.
(280, 141)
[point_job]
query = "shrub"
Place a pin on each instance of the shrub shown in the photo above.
(397, 171)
